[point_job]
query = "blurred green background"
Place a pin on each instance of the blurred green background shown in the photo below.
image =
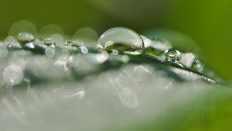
(207, 22)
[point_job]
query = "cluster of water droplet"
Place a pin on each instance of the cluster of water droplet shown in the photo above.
(114, 45)
(36, 70)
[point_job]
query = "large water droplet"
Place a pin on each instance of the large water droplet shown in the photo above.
(122, 39)
(25, 37)
(197, 65)
(13, 75)
(172, 55)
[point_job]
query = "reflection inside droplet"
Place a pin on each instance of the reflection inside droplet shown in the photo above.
(172, 55)
(121, 39)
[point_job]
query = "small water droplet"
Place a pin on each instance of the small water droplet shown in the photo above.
(125, 58)
(25, 37)
(13, 75)
(121, 39)
(68, 43)
(197, 65)
(101, 58)
(84, 50)
(78, 43)
(172, 55)
(115, 52)
(49, 41)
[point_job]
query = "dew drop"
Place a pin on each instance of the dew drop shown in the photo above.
(25, 37)
(115, 52)
(121, 39)
(101, 58)
(197, 65)
(84, 49)
(13, 75)
(78, 43)
(172, 55)
(49, 41)
(68, 43)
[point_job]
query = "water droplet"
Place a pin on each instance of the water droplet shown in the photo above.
(84, 50)
(101, 58)
(78, 43)
(115, 52)
(22, 25)
(68, 43)
(25, 37)
(172, 55)
(13, 75)
(121, 39)
(197, 65)
(125, 58)
(49, 41)
(29, 46)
